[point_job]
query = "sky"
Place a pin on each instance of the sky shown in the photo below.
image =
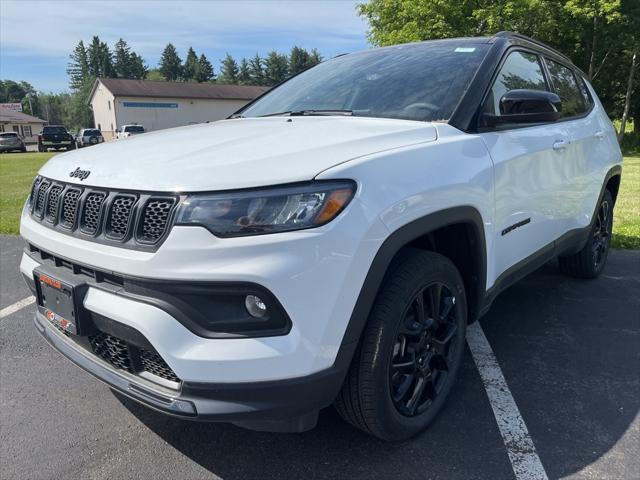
(36, 37)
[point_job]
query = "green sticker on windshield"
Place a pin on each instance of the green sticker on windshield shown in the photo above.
(465, 49)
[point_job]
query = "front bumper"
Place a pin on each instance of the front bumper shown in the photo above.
(316, 276)
(285, 405)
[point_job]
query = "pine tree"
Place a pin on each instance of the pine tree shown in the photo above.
(100, 59)
(298, 60)
(190, 69)
(122, 60)
(139, 69)
(93, 55)
(256, 70)
(229, 71)
(204, 72)
(170, 63)
(78, 67)
(244, 76)
(276, 68)
(314, 58)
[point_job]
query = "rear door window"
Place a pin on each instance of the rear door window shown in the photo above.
(521, 70)
(566, 86)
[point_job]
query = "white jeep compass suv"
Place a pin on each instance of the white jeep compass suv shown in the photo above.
(328, 243)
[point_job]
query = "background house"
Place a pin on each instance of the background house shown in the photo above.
(156, 105)
(25, 125)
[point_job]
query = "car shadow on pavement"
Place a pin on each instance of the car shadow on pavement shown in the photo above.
(336, 450)
(569, 351)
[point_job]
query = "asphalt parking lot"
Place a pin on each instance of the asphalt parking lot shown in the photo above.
(568, 349)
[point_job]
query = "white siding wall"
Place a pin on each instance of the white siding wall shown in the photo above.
(104, 111)
(175, 112)
(23, 129)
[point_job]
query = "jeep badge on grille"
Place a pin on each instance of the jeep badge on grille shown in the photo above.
(81, 174)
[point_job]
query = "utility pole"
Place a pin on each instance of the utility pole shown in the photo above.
(29, 95)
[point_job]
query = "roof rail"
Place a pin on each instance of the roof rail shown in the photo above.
(508, 34)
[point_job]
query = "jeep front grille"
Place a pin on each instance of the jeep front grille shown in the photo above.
(133, 220)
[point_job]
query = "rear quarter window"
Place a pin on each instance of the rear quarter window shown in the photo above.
(566, 86)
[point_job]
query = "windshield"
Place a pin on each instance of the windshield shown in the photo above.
(8, 135)
(419, 81)
(134, 129)
(91, 132)
(54, 130)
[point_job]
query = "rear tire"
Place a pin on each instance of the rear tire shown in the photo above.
(407, 361)
(590, 261)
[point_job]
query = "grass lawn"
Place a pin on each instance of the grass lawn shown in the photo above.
(17, 171)
(626, 218)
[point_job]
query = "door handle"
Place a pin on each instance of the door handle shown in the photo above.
(599, 135)
(560, 144)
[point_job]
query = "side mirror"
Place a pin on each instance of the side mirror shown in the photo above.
(526, 106)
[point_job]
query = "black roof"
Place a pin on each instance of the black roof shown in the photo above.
(518, 39)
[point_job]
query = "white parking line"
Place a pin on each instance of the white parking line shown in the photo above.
(522, 452)
(6, 311)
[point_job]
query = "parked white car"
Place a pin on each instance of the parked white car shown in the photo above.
(89, 136)
(128, 130)
(329, 243)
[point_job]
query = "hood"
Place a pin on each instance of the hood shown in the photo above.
(239, 153)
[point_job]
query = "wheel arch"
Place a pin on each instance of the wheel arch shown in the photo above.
(426, 233)
(612, 182)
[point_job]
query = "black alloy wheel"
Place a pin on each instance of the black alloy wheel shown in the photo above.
(424, 349)
(411, 349)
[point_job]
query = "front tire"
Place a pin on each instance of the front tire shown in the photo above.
(590, 261)
(410, 351)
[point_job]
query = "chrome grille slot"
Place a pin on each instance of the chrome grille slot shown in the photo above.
(155, 218)
(34, 192)
(53, 203)
(120, 215)
(92, 212)
(70, 207)
(41, 197)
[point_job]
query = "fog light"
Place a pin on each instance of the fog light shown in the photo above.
(255, 306)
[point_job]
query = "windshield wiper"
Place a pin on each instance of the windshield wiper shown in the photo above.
(309, 113)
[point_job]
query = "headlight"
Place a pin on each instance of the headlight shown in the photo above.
(267, 210)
